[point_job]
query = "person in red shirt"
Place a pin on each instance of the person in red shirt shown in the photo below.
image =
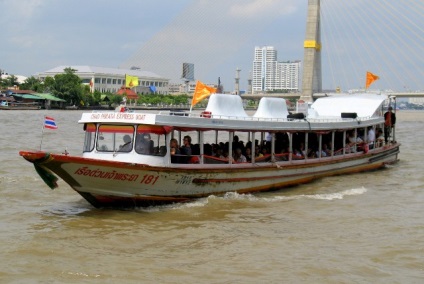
(389, 123)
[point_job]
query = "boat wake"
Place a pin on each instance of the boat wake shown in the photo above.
(233, 196)
(326, 196)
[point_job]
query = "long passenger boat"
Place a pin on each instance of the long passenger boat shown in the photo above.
(129, 160)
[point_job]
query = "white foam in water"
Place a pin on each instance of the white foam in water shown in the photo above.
(328, 196)
(250, 197)
(338, 195)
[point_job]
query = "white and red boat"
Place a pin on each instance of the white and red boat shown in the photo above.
(127, 160)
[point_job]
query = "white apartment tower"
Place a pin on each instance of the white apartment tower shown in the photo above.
(287, 76)
(264, 67)
(269, 74)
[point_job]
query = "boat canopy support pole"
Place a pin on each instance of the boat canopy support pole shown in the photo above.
(344, 142)
(306, 145)
(230, 147)
(201, 146)
(290, 146)
(253, 148)
(320, 146)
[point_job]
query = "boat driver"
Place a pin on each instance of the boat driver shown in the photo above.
(144, 144)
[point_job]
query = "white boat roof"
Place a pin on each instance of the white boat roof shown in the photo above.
(226, 106)
(227, 112)
(364, 105)
(272, 108)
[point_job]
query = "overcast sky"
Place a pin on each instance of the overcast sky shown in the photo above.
(218, 36)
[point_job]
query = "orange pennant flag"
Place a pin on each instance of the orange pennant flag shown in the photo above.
(370, 79)
(200, 92)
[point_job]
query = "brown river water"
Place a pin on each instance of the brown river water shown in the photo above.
(360, 228)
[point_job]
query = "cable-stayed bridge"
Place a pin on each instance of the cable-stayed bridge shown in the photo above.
(384, 37)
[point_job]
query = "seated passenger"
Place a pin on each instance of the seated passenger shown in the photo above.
(186, 150)
(248, 154)
(143, 144)
(379, 138)
(175, 151)
(127, 146)
(371, 137)
(239, 157)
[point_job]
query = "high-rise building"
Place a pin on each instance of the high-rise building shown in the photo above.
(264, 67)
(269, 74)
(287, 76)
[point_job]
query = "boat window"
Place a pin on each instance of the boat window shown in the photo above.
(151, 140)
(90, 130)
(115, 138)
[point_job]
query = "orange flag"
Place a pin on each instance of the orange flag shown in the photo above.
(370, 79)
(200, 92)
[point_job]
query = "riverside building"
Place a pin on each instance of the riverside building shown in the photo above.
(112, 79)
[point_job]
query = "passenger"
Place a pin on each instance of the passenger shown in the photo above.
(379, 141)
(239, 157)
(389, 123)
(219, 153)
(175, 151)
(324, 151)
(186, 149)
(258, 152)
(350, 142)
(298, 154)
(127, 146)
(144, 144)
(371, 137)
(248, 154)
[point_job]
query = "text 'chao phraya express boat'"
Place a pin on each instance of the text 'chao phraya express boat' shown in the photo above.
(129, 159)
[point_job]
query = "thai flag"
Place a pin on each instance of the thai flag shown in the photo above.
(49, 123)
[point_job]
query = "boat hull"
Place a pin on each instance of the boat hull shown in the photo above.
(121, 184)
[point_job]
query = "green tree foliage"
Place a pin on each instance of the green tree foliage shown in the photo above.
(68, 86)
(32, 83)
(9, 81)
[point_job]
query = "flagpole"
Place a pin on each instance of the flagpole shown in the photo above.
(42, 132)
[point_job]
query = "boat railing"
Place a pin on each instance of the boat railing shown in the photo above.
(266, 119)
(348, 150)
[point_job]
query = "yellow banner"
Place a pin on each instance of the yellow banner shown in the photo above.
(131, 81)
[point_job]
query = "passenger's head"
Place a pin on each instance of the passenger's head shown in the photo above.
(187, 139)
(146, 136)
(174, 142)
(127, 138)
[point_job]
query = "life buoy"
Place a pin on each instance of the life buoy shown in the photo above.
(206, 114)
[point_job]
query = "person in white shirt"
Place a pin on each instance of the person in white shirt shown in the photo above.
(371, 137)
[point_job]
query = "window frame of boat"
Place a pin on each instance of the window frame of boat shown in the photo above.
(89, 138)
(115, 140)
(158, 135)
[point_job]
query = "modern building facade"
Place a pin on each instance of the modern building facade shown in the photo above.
(269, 74)
(112, 79)
(288, 76)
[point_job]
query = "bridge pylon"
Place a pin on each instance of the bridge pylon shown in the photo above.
(312, 75)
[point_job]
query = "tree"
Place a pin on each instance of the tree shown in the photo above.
(9, 81)
(32, 83)
(68, 86)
